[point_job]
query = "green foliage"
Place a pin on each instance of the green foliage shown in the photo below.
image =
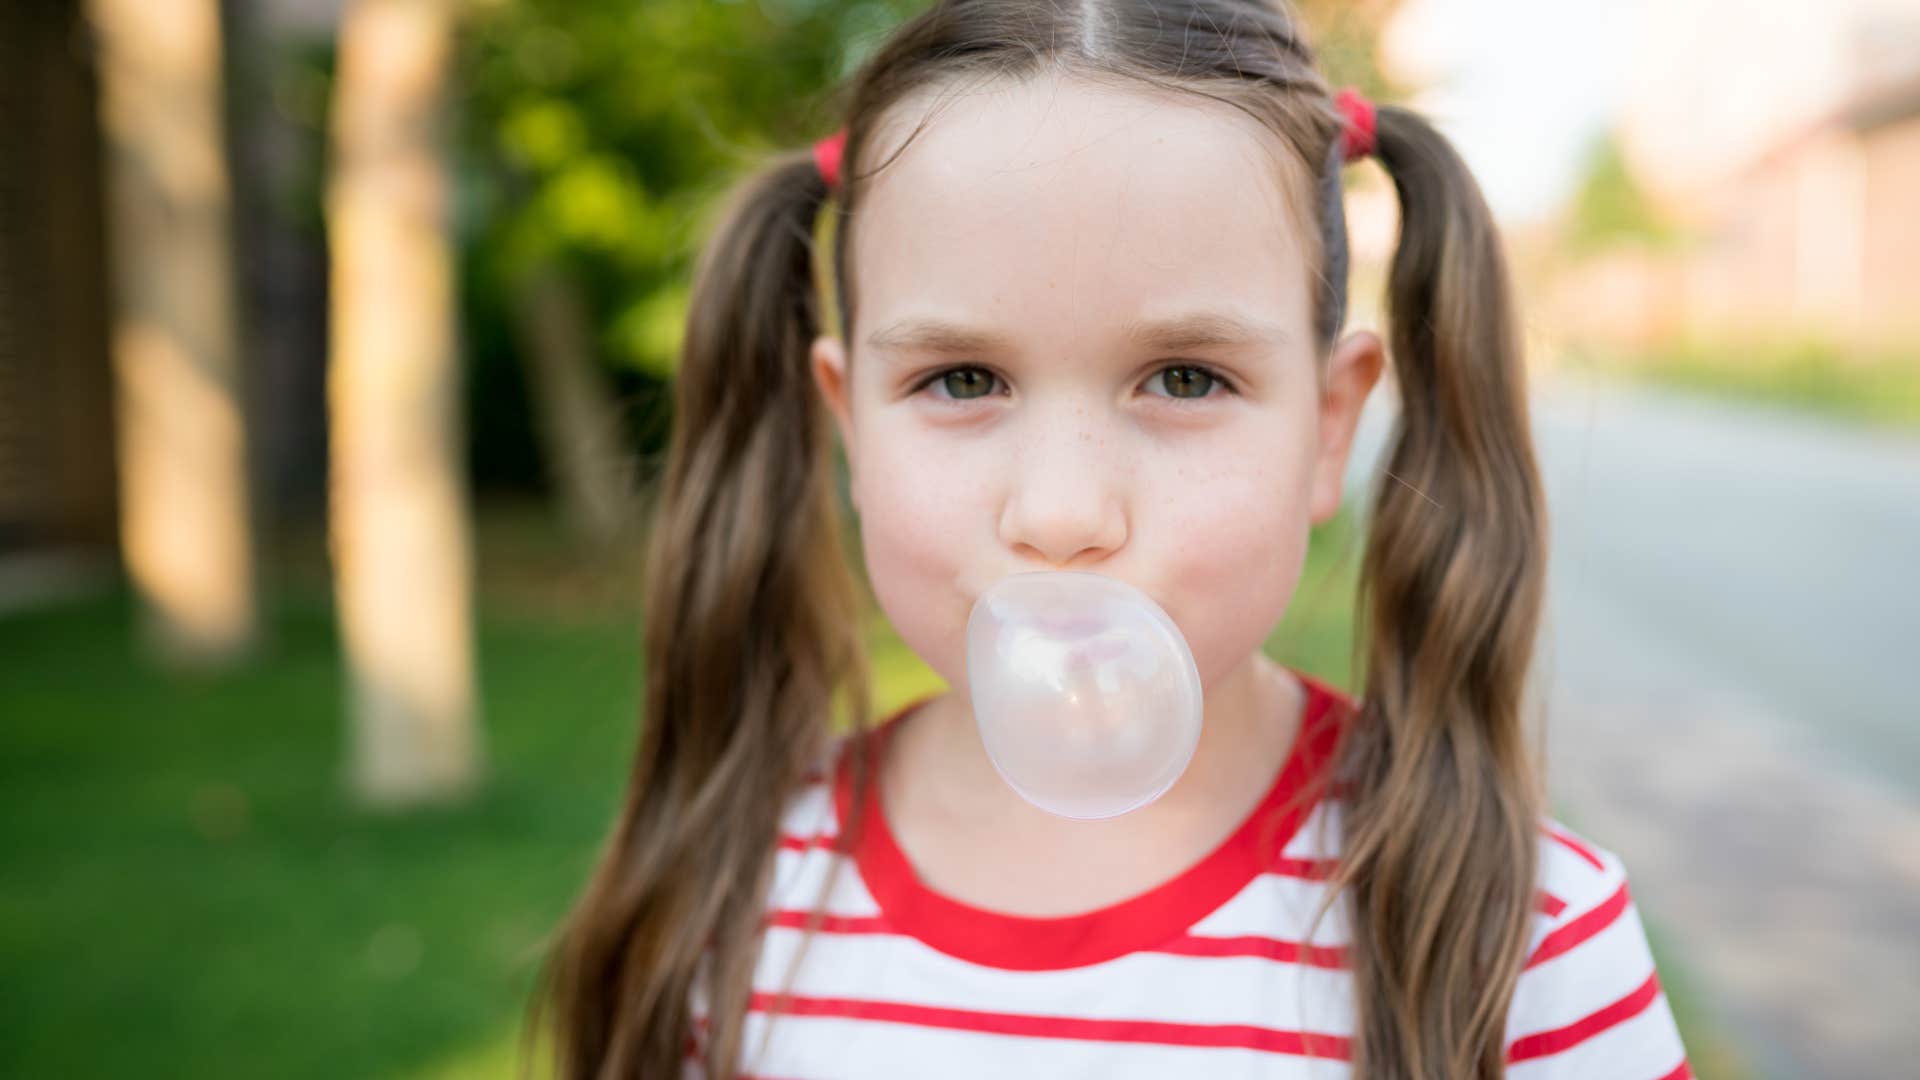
(1611, 209)
(597, 134)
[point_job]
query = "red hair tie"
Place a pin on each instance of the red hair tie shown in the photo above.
(1357, 141)
(826, 156)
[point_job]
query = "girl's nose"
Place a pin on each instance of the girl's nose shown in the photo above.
(1064, 502)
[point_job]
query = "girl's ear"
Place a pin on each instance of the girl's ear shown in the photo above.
(827, 359)
(1352, 370)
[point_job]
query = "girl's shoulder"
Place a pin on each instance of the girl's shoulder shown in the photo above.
(1589, 992)
(1577, 874)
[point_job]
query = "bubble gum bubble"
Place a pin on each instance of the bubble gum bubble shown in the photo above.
(1085, 692)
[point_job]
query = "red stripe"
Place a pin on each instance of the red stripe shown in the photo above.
(1332, 957)
(793, 919)
(1680, 1072)
(1268, 948)
(1581, 928)
(1285, 866)
(1542, 1043)
(1577, 847)
(1163, 1033)
(1311, 869)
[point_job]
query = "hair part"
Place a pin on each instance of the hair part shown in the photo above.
(752, 622)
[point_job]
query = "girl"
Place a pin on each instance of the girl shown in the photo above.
(1089, 277)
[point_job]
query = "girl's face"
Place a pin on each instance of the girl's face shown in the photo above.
(1083, 342)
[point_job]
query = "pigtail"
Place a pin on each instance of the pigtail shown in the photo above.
(1441, 825)
(750, 629)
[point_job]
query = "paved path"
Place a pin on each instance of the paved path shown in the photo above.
(1730, 657)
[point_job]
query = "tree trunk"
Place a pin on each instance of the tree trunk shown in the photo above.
(400, 537)
(186, 531)
(580, 430)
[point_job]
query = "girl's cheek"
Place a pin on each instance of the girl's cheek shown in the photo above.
(1235, 564)
(913, 532)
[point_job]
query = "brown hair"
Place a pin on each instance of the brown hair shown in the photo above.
(752, 631)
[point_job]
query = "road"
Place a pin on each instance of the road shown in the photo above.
(1728, 664)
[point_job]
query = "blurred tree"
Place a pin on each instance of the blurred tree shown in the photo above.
(1610, 208)
(186, 530)
(276, 142)
(400, 539)
(580, 429)
(597, 133)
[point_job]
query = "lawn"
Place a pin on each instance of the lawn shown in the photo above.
(187, 892)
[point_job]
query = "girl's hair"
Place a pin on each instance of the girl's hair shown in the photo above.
(752, 627)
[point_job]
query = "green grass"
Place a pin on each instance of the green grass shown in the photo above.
(187, 888)
(1879, 387)
(1316, 633)
(188, 891)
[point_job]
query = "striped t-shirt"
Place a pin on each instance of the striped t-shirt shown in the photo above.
(1209, 974)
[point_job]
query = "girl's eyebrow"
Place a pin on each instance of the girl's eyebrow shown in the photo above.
(1191, 330)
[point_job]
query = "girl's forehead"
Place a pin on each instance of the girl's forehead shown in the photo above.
(1025, 201)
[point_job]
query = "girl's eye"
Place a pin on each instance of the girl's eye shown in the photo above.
(1183, 382)
(1188, 381)
(963, 383)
